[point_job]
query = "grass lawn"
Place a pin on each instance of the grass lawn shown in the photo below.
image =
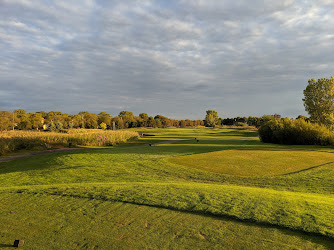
(226, 189)
(256, 162)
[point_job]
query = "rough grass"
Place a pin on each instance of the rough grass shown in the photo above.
(301, 198)
(12, 141)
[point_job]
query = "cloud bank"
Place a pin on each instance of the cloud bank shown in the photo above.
(174, 58)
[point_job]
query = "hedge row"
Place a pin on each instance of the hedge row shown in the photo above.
(298, 132)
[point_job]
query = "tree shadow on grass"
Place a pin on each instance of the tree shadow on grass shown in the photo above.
(5, 245)
(180, 148)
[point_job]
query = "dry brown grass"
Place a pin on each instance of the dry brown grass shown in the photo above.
(11, 141)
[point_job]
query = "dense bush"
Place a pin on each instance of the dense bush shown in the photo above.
(300, 132)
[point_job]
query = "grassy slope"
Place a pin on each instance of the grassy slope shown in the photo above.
(56, 222)
(150, 175)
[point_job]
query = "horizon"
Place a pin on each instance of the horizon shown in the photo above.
(152, 115)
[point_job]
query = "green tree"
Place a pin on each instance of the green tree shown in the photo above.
(143, 116)
(302, 117)
(128, 118)
(36, 120)
(90, 119)
(319, 101)
(211, 118)
(143, 119)
(103, 126)
(183, 123)
(25, 122)
(150, 122)
(105, 118)
(6, 120)
(164, 121)
(119, 123)
(20, 112)
(75, 121)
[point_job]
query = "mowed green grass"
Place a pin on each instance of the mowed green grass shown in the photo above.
(242, 179)
(255, 162)
(58, 222)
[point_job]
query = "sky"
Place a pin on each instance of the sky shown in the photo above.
(173, 58)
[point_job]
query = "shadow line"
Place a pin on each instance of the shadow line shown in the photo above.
(5, 245)
(307, 169)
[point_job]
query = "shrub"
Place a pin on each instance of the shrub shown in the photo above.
(240, 124)
(300, 132)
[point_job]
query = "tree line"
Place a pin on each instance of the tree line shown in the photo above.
(212, 120)
(56, 120)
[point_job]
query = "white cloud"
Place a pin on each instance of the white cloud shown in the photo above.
(154, 56)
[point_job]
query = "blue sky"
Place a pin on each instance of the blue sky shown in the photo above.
(174, 58)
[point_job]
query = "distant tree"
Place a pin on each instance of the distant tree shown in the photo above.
(228, 121)
(319, 101)
(104, 117)
(266, 118)
(75, 121)
(182, 123)
(43, 114)
(142, 120)
(143, 116)
(55, 126)
(53, 116)
(90, 120)
(103, 125)
(189, 123)
(36, 120)
(241, 119)
(25, 122)
(165, 122)
(157, 123)
(59, 125)
(20, 112)
(150, 122)
(254, 121)
(198, 123)
(302, 117)
(66, 121)
(211, 118)
(6, 120)
(52, 127)
(119, 123)
(128, 118)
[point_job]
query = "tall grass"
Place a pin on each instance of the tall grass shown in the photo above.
(16, 140)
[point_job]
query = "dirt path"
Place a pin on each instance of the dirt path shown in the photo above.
(13, 157)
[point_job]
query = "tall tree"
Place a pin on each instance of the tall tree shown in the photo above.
(89, 119)
(319, 101)
(211, 118)
(128, 118)
(36, 120)
(105, 118)
(6, 120)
